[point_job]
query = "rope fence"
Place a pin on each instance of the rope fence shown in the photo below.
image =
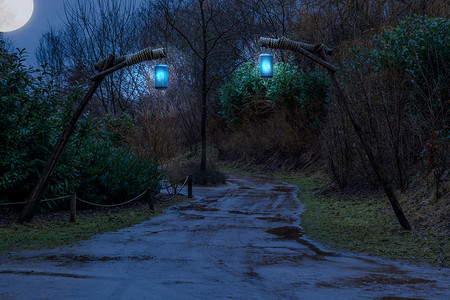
(176, 192)
(111, 205)
(150, 198)
(45, 200)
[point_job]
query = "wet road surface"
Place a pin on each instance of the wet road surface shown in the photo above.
(239, 241)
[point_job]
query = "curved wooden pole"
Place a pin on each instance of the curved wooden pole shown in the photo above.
(286, 44)
(129, 60)
(30, 208)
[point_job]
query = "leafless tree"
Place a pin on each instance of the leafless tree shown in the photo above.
(207, 34)
(93, 30)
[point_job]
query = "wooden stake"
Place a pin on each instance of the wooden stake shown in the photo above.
(108, 71)
(190, 186)
(73, 207)
(150, 199)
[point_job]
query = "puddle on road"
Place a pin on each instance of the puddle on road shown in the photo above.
(237, 212)
(196, 207)
(180, 282)
(150, 232)
(386, 280)
(287, 232)
(252, 274)
(191, 216)
(68, 258)
(43, 274)
(294, 233)
(289, 258)
(375, 280)
(276, 219)
(212, 200)
(283, 189)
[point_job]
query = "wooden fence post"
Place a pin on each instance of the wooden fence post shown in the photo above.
(73, 207)
(190, 186)
(150, 199)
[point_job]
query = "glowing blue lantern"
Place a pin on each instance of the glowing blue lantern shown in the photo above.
(266, 65)
(161, 77)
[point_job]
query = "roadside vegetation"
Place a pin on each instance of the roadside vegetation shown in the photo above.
(53, 229)
(363, 222)
(97, 164)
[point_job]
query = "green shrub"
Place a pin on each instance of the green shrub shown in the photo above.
(113, 174)
(28, 116)
(285, 85)
(399, 91)
(420, 48)
(244, 88)
(247, 97)
(95, 163)
(415, 45)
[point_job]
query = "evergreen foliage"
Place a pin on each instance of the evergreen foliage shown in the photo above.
(32, 115)
(247, 96)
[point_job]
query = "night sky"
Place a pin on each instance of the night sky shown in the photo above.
(46, 13)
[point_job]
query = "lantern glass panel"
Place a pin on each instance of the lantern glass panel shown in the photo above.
(266, 65)
(161, 77)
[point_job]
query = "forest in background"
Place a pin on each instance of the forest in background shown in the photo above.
(393, 59)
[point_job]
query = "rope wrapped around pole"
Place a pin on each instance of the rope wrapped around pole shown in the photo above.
(144, 55)
(284, 43)
(129, 60)
(287, 44)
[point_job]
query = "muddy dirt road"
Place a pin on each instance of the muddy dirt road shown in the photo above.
(239, 241)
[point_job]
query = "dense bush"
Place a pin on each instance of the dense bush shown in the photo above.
(111, 174)
(419, 47)
(243, 97)
(95, 163)
(28, 119)
(248, 97)
(273, 120)
(399, 90)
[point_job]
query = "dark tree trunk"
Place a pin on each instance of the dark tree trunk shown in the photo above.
(204, 87)
(203, 129)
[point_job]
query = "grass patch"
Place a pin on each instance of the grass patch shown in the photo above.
(51, 233)
(367, 224)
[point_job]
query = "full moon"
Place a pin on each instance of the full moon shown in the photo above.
(14, 14)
